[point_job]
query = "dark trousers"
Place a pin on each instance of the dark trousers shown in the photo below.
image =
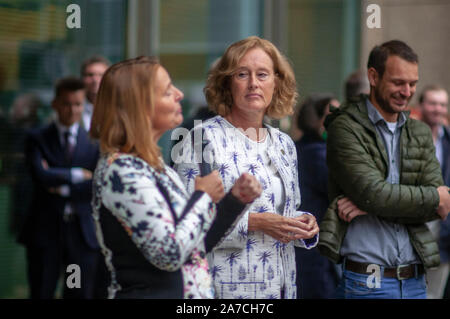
(316, 275)
(46, 263)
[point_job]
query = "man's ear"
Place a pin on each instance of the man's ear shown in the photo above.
(373, 76)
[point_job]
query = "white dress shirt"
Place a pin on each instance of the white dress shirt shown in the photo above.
(87, 115)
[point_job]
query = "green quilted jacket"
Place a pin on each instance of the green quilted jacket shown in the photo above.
(358, 168)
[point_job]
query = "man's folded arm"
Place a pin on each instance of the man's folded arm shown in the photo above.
(46, 176)
(354, 169)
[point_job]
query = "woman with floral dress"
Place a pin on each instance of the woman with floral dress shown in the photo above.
(256, 258)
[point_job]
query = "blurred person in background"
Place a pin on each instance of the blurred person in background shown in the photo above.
(59, 229)
(23, 116)
(316, 275)
(257, 258)
(92, 71)
(356, 84)
(433, 105)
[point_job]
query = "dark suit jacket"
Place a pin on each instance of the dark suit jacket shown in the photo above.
(446, 152)
(45, 218)
(316, 276)
(444, 240)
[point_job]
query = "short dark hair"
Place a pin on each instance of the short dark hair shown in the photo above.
(428, 88)
(70, 84)
(356, 84)
(312, 111)
(380, 53)
(92, 60)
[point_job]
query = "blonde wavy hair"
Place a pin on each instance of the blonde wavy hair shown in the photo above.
(218, 85)
(123, 109)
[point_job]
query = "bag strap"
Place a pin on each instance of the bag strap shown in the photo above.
(166, 196)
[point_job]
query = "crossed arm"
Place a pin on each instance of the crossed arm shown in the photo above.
(356, 172)
(63, 181)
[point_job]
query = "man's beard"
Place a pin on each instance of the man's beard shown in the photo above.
(383, 103)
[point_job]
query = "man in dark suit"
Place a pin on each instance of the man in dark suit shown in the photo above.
(92, 71)
(434, 109)
(59, 230)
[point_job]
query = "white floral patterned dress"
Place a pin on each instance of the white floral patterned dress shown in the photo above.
(250, 264)
(126, 186)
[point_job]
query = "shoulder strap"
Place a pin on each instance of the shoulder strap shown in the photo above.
(166, 196)
(205, 168)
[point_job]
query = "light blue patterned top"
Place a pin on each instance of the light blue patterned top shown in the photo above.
(251, 264)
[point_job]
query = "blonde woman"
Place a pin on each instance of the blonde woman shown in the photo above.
(256, 258)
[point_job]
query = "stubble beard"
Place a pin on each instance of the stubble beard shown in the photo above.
(384, 104)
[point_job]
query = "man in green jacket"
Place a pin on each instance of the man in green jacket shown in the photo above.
(385, 183)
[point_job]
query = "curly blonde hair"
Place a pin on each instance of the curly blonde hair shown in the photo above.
(218, 85)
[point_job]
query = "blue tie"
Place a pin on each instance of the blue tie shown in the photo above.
(68, 148)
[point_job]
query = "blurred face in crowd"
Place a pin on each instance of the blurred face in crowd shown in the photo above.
(333, 103)
(393, 91)
(253, 83)
(69, 106)
(434, 107)
(168, 112)
(92, 77)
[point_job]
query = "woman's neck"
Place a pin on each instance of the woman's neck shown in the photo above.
(157, 136)
(251, 124)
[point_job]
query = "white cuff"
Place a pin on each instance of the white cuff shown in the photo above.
(77, 175)
(64, 190)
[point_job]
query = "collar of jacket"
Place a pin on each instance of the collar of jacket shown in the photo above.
(357, 109)
(280, 158)
(446, 133)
